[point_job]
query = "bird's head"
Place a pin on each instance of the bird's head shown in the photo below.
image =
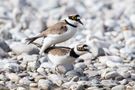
(81, 49)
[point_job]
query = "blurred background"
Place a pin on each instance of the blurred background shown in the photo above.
(23, 18)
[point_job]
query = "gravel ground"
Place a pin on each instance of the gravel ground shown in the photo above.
(109, 30)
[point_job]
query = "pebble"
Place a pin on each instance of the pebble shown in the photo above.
(65, 68)
(124, 81)
(24, 81)
(12, 67)
(37, 78)
(32, 66)
(133, 76)
(33, 85)
(23, 48)
(29, 58)
(21, 88)
(5, 34)
(13, 77)
(91, 73)
(3, 54)
(56, 79)
(4, 46)
(111, 61)
(80, 65)
(44, 84)
(118, 87)
(108, 83)
(97, 51)
(72, 73)
(41, 71)
(112, 74)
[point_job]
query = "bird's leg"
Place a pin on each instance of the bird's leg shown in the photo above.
(44, 47)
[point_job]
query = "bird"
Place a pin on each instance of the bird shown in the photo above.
(59, 32)
(60, 55)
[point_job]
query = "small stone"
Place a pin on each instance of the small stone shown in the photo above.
(5, 34)
(3, 54)
(93, 88)
(94, 82)
(3, 77)
(80, 65)
(33, 85)
(65, 68)
(83, 78)
(44, 84)
(68, 84)
(119, 87)
(19, 48)
(56, 79)
(24, 81)
(124, 72)
(32, 66)
(123, 82)
(12, 67)
(41, 71)
(11, 85)
(97, 51)
(77, 87)
(87, 56)
(72, 73)
(37, 78)
(13, 77)
(4, 46)
(108, 83)
(3, 87)
(21, 88)
(111, 61)
(29, 58)
(112, 74)
(23, 74)
(133, 76)
(91, 73)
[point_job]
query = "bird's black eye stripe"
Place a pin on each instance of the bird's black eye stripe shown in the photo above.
(77, 15)
(85, 45)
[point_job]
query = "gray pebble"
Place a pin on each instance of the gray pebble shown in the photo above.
(19, 48)
(118, 87)
(44, 84)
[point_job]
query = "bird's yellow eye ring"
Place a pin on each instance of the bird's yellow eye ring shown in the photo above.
(74, 18)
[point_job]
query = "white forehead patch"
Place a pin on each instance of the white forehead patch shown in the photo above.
(78, 18)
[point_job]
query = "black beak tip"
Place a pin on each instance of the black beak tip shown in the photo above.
(80, 22)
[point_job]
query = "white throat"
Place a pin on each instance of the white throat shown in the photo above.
(71, 21)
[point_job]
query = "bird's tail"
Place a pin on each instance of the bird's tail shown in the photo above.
(30, 40)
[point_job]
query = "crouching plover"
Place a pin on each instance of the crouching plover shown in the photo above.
(58, 33)
(64, 55)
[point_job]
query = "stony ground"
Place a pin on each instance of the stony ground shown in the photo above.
(109, 30)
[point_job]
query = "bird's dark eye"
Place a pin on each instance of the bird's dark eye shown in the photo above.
(80, 48)
(74, 17)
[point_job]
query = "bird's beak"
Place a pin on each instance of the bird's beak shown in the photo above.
(80, 22)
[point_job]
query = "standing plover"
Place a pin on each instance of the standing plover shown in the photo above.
(58, 33)
(64, 55)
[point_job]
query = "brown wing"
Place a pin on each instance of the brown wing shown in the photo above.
(57, 28)
(58, 50)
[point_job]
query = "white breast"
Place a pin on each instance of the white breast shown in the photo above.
(55, 39)
(63, 37)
